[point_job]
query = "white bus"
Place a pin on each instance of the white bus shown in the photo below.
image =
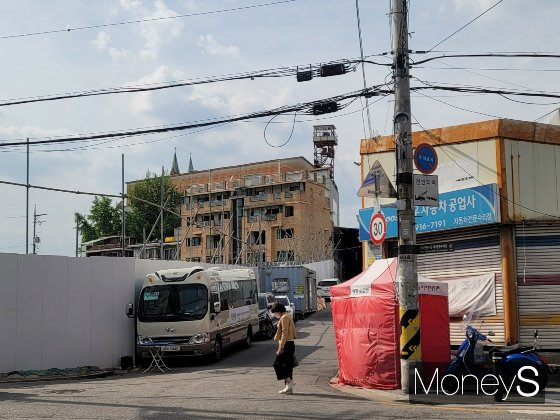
(195, 312)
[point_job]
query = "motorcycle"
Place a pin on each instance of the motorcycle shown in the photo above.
(507, 361)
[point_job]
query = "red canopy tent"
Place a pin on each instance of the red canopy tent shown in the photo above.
(366, 323)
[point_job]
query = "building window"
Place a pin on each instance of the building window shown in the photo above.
(258, 237)
(285, 255)
(194, 241)
(289, 211)
(285, 233)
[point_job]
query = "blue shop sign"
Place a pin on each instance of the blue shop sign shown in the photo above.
(457, 209)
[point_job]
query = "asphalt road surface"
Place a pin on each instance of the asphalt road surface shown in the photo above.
(242, 385)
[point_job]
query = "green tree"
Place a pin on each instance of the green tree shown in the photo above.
(104, 219)
(143, 215)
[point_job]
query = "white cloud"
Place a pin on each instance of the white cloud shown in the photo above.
(211, 46)
(101, 41)
(130, 4)
(241, 97)
(141, 103)
(159, 32)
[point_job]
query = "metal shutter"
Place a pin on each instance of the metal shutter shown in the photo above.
(538, 283)
(476, 251)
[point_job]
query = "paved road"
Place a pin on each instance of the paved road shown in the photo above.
(242, 385)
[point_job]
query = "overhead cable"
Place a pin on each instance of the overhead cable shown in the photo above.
(305, 108)
(156, 19)
(465, 25)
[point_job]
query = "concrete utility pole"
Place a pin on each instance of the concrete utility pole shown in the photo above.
(27, 204)
(35, 221)
(407, 274)
(161, 215)
(123, 215)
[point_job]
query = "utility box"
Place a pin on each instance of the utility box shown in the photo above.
(295, 281)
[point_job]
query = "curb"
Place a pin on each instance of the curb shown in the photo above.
(96, 375)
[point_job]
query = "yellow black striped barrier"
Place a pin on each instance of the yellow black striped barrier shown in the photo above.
(410, 334)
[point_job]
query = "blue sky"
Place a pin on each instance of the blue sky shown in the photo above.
(296, 33)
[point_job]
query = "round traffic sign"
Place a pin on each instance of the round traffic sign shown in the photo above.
(425, 158)
(378, 228)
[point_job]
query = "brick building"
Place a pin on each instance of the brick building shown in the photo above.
(273, 211)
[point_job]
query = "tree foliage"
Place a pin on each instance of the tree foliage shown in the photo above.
(143, 215)
(105, 218)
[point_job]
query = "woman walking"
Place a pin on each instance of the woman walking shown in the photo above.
(285, 335)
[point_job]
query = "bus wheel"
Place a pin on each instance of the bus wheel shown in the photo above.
(249, 338)
(217, 354)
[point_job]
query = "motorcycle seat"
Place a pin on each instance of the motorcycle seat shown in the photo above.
(507, 350)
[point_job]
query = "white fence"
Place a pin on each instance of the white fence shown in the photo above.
(67, 312)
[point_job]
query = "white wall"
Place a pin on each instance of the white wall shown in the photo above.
(66, 312)
(323, 269)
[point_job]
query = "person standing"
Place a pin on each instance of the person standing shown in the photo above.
(285, 335)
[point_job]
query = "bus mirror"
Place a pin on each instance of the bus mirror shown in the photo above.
(130, 310)
(217, 307)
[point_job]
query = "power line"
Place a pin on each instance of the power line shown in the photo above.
(485, 68)
(484, 55)
(458, 107)
(465, 25)
(440, 142)
(251, 75)
(312, 108)
(99, 146)
(471, 89)
(121, 196)
(106, 25)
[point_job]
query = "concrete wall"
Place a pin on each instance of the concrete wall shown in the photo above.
(67, 312)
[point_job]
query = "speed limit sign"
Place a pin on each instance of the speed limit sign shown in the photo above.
(378, 228)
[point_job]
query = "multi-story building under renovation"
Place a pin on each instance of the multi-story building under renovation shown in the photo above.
(273, 211)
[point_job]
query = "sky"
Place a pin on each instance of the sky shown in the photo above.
(296, 33)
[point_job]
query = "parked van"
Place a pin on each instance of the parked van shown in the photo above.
(324, 288)
(194, 312)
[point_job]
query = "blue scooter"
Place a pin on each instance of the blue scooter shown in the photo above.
(507, 360)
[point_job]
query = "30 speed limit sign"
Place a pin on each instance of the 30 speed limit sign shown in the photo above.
(378, 228)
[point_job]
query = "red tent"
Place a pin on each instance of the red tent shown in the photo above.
(366, 323)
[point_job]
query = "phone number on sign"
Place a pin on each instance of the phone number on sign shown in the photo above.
(430, 225)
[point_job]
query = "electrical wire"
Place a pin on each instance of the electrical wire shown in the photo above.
(465, 25)
(306, 108)
(484, 55)
(460, 108)
(106, 25)
(120, 196)
(439, 141)
(289, 138)
(148, 87)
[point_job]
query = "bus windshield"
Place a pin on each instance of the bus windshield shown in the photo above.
(179, 302)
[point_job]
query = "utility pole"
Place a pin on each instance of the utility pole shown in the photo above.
(161, 216)
(77, 235)
(27, 205)
(123, 216)
(35, 221)
(407, 274)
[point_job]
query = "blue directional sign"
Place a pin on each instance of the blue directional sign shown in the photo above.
(425, 158)
(457, 209)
